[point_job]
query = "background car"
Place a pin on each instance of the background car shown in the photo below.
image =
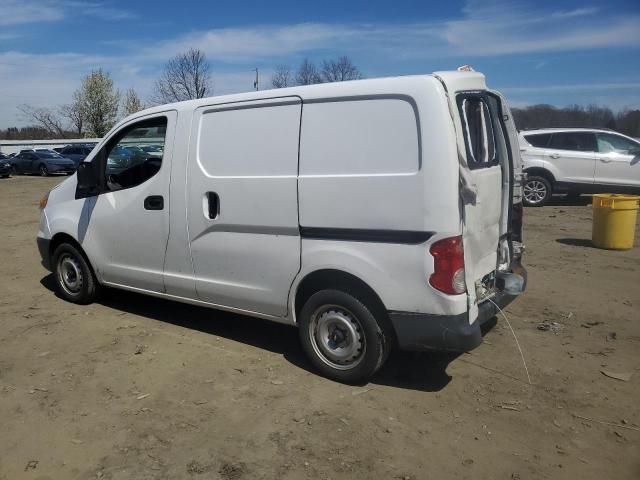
(578, 160)
(122, 158)
(43, 162)
(77, 153)
(5, 166)
(153, 150)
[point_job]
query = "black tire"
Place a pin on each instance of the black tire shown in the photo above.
(367, 351)
(44, 171)
(14, 170)
(74, 278)
(537, 191)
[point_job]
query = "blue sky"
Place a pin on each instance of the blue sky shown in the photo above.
(559, 52)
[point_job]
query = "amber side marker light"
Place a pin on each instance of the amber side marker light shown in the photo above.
(44, 200)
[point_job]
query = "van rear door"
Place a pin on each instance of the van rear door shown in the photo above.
(485, 180)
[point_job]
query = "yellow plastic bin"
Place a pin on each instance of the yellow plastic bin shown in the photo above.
(614, 221)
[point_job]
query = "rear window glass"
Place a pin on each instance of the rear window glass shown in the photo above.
(540, 140)
(574, 141)
(478, 132)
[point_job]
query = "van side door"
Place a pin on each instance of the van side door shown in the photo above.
(242, 205)
(124, 228)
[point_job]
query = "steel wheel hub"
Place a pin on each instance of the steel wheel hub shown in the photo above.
(337, 338)
(70, 274)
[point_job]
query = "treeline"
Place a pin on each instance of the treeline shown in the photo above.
(308, 73)
(31, 133)
(591, 116)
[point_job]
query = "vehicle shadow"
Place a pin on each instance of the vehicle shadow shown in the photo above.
(576, 242)
(422, 371)
(569, 201)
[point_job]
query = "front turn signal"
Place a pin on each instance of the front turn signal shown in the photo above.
(44, 200)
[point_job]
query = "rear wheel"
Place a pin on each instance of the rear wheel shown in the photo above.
(537, 191)
(74, 278)
(342, 336)
(44, 172)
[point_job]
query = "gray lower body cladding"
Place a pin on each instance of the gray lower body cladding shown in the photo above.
(449, 333)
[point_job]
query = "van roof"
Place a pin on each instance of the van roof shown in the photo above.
(470, 80)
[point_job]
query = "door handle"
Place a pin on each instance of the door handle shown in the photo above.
(213, 205)
(605, 160)
(554, 155)
(154, 202)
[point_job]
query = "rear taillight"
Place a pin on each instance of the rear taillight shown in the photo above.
(448, 260)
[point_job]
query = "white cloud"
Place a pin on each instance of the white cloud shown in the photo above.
(578, 12)
(484, 30)
(15, 12)
(19, 12)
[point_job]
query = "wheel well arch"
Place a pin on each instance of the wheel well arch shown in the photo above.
(337, 279)
(340, 280)
(541, 172)
(60, 238)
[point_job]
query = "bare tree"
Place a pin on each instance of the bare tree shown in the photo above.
(185, 77)
(340, 70)
(46, 118)
(282, 77)
(131, 103)
(74, 113)
(308, 73)
(99, 102)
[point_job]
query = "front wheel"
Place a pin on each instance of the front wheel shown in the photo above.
(537, 191)
(44, 172)
(74, 278)
(342, 337)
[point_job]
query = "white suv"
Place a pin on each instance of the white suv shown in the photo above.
(578, 160)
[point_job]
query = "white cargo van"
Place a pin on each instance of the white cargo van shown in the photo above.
(370, 214)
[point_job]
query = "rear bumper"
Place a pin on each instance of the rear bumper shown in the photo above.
(43, 248)
(451, 333)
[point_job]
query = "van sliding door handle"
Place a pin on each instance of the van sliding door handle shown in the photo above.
(554, 155)
(212, 203)
(154, 202)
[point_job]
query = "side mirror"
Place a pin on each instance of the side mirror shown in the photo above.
(87, 180)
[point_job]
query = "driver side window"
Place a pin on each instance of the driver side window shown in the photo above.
(127, 164)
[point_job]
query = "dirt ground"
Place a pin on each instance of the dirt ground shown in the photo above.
(138, 388)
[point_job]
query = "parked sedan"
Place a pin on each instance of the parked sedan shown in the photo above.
(43, 162)
(5, 166)
(77, 153)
